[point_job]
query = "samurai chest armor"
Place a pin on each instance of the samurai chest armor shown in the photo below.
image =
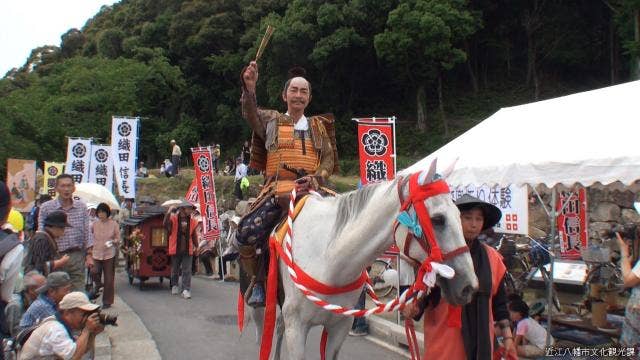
(292, 149)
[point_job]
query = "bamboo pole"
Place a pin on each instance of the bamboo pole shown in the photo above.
(264, 42)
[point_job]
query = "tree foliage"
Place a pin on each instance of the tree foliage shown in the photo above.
(176, 63)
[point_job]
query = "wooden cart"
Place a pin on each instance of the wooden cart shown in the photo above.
(145, 247)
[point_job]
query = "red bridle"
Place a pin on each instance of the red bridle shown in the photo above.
(417, 196)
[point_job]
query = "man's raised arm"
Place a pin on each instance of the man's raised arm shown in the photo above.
(249, 102)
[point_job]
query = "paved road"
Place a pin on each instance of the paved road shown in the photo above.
(205, 326)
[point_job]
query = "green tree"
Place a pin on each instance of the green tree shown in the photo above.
(423, 39)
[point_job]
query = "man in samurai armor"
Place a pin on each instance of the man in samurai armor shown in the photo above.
(294, 151)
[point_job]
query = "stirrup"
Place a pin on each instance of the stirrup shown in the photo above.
(257, 296)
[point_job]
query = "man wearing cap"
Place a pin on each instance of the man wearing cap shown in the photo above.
(77, 241)
(183, 242)
(57, 286)
(475, 339)
(54, 339)
(10, 254)
(43, 255)
(176, 153)
(21, 301)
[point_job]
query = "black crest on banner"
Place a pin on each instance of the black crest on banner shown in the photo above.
(79, 150)
(124, 129)
(102, 155)
(375, 143)
(203, 164)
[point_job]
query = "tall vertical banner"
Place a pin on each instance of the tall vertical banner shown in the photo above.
(101, 171)
(21, 181)
(512, 201)
(78, 159)
(206, 192)
(377, 149)
(124, 148)
(572, 223)
(51, 172)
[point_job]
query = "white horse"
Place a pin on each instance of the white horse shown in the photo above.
(335, 238)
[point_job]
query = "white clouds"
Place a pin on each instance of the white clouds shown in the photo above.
(26, 24)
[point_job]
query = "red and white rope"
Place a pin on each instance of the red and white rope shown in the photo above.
(396, 304)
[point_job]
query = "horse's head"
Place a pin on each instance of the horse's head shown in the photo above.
(444, 218)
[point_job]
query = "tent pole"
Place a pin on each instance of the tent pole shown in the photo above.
(553, 233)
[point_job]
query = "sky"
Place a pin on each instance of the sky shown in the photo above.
(27, 24)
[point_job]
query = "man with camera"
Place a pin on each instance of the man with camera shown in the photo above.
(53, 338)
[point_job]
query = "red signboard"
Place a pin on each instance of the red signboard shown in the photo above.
(206, 192)
(377, 149)
(572, 223)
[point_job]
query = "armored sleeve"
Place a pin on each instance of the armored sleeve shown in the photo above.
(250, 113)
(325, 168)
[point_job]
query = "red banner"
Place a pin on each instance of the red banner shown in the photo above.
(572, 223)
(206, 192)
(192, 193)
(377, 149)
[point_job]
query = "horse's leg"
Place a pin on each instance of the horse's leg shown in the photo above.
(337, 333)
(295, 332)
(279, 336)
(258, 320)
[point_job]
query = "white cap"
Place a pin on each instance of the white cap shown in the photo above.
(77, 300)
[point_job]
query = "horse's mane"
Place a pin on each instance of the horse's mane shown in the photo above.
(350, 204)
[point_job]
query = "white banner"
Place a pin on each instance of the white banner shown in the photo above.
(101, 171)
(124, 147)
(78, 159)
(511, 200)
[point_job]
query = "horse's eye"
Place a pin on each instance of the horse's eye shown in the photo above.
(438, 220)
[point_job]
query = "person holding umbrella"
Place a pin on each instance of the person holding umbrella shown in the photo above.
(183, 243)
(106, 235)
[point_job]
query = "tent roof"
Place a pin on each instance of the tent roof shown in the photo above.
(587, 138)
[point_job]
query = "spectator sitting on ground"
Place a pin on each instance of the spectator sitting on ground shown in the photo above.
(167, 168)
(142, 172)
(531, 337)
(21, 301)
(58, 285)
(54, 339)
(229, 168)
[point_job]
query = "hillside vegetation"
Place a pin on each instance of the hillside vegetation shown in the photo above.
(440, 66)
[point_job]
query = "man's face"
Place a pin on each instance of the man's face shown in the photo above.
(297, 95)
(75, 318)
(58, 293)
(472, 222)
(65, 188)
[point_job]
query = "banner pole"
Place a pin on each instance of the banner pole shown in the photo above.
(395, 154)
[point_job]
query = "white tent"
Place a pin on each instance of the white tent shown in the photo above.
(586, 138)
(590, 137)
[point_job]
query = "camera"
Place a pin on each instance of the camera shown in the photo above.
(106, 319)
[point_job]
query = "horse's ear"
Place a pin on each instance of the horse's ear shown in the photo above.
(450, 169)
(427, 176)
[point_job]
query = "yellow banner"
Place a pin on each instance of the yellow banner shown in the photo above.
(51, 171)
(21, 180)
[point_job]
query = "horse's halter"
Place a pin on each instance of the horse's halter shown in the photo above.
(421, 230)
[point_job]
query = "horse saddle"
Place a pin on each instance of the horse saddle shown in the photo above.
(281, 229)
